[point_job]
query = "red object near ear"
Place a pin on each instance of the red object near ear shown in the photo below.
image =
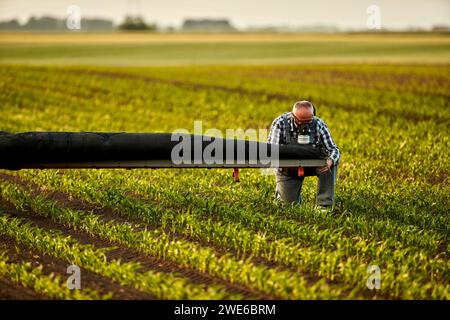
(301, 171)
(236, 174)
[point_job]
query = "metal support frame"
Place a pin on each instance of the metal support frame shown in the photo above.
(169, 164)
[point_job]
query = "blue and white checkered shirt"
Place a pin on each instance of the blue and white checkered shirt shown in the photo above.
(323, 135)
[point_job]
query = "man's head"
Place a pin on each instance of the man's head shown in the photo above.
(303, 112)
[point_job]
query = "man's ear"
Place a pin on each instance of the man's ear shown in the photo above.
(314, 109)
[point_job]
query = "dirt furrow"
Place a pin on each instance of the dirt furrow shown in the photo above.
(18, 253)
(13, 291)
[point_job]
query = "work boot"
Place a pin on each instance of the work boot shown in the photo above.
(324, 209)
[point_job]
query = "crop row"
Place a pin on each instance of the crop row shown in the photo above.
(50, 286)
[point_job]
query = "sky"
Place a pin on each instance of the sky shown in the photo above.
(345, 14)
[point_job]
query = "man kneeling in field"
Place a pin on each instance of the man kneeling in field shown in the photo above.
(302, 126)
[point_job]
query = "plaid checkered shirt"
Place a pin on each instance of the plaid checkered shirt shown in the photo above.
(323, 135)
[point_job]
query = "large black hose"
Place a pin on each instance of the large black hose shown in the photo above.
(98, 149)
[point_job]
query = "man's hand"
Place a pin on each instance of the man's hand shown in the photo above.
(327, 167)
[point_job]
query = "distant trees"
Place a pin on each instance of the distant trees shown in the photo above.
(97, 24)
(47, 23)
(136, 23)
(441, 28)
(10, 25)
(208, 25)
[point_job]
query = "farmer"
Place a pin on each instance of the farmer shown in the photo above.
(302, 126)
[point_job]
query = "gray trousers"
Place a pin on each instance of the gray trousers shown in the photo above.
(289, 187)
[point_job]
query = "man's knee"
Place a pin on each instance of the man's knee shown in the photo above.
(288, 189)
(288, 197)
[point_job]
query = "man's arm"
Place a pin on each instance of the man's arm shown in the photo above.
(333, 150)
(275, 135)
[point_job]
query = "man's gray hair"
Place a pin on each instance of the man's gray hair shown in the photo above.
(302, 104)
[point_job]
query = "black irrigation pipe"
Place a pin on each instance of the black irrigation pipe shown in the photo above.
(46, 150)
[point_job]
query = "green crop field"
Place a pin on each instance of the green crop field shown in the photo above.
(197, 234)
(181, 49)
